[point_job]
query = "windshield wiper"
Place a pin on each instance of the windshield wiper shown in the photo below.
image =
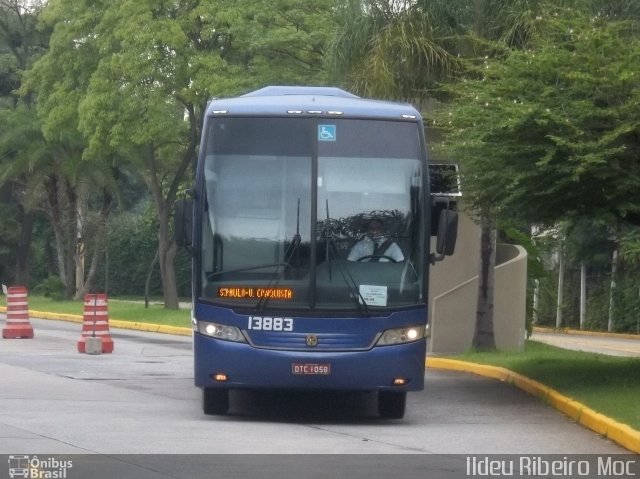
(211, 276)
(294, 247)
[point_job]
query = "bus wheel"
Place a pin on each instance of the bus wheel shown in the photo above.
(391, 404)
(215, 401)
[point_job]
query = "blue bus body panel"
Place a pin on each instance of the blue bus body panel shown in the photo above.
(353, 361)
(246, 367)
(281, 101)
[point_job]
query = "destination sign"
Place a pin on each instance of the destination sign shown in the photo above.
(241, 292)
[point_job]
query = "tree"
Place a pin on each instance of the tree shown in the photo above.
(551, 132)
(20, 44)
(404, 50)
(67, 183)
(167, 60)
(284, 41)
(395, 49)
(140, 74)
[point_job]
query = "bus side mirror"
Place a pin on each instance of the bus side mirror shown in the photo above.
(183, 219)
(447, 233)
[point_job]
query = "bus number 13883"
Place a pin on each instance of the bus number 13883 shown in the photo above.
(267, 323)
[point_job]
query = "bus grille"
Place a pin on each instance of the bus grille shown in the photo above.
(299, 341)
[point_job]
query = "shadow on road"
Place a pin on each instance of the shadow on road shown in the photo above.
(305, 406)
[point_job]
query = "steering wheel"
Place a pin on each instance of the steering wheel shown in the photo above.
(369, 256)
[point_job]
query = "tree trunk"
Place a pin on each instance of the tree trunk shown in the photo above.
(560, 301)
(612, 290)
(484, 339)
(536, 301)
(166, 244)
(163, 199)
(23, 249)
(167, 247)
(100, 241)
(167, 253)
(54, 212)
(147, 283)
(69, 203)
(583, 294)
(61, 208)
(80, 245)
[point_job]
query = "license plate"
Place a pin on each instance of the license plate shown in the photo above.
(321, 369)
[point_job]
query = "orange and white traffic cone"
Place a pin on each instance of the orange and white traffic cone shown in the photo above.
(95, 322)
(18, 325)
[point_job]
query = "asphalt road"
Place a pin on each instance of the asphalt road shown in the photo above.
(141, 400)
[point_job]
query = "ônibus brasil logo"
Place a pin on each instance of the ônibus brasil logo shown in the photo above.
(35, 468)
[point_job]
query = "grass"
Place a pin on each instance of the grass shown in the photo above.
(124, 310)
(607, 384)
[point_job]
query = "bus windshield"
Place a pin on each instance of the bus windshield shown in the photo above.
(313, 214)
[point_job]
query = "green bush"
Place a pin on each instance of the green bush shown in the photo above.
(626, 299)
(52, 287)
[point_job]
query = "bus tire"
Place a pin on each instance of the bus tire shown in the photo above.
(215, 401)
(392, 404)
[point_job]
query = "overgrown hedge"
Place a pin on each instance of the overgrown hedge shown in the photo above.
(132, 240)
(122, 270)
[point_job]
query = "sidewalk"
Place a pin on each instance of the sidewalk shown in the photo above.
(611, 344)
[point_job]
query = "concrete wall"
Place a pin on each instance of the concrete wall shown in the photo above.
(453, 291)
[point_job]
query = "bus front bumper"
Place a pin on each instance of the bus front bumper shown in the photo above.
(226, 364)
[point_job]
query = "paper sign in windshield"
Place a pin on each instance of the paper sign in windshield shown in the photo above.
(373, 295)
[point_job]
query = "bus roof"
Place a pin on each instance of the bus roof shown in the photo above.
(309, 101)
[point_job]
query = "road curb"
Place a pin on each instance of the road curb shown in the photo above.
(113, 323)
(619, 433)
(152, 328)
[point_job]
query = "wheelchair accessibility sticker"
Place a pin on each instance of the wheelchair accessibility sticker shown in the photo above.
(326, 132)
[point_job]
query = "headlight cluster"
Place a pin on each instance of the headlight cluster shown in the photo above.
(402, 335)
(221, 331)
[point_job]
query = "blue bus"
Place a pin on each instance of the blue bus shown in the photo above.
(310, 228)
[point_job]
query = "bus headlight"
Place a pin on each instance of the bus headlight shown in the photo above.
(402, 335)
(221, 331)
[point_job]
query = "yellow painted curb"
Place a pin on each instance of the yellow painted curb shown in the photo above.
(620, 433)
(74, 318)
(113, 323)
(149, 327)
